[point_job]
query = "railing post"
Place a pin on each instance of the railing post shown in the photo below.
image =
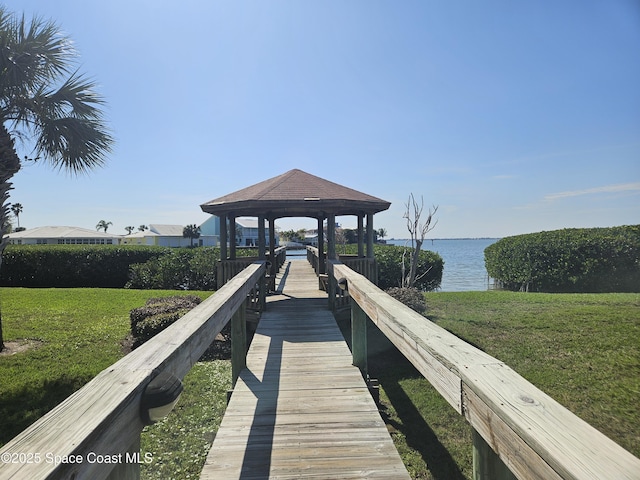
(238, 342)
(128, 468)
(359, 338)
(486, 463)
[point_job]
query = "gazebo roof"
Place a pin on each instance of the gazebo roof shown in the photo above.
(295, 194)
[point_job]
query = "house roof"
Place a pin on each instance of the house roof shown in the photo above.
(167, 230)
(61, 232)
(295, 194)
(249, 222)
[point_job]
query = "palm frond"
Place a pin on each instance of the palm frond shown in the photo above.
(76, 97)
(74, 144)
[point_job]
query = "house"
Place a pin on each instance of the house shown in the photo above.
(246, 230)
(168, 236)
(62, 236)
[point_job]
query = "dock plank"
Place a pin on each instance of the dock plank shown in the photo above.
(300, 409)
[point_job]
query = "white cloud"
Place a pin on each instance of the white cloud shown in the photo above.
(623, 187)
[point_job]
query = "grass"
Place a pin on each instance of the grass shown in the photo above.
(582, 349)
(178, 445)
(80, 332)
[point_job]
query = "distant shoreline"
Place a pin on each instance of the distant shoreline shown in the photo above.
(434, 239)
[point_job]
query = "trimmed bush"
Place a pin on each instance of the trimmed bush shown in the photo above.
(569, 260)
(157, 314)
(411, 297)
(389, 260)
(105, 266)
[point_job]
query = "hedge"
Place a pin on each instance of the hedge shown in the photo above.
(389, 260)
(178, 269)
(157, 314)
(151, 267)
(569, 260)
(72, 265)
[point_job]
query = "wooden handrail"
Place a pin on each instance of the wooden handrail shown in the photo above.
(530, 432)
(102, 419)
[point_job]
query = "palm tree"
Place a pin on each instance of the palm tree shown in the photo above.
(45, 102)
(129, 229)
(191, 232)
(103, 225)
(142, 228)
(16, 208)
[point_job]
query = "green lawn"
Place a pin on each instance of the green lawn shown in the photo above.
(81, 333)
(583, 349)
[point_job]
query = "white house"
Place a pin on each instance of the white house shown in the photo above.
(246, 230)
(63, 236)
(167, 236)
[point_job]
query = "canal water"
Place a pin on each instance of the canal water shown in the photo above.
(463, 261)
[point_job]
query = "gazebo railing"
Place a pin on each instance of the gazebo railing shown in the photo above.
(229, 268)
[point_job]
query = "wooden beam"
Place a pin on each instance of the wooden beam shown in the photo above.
(370, 235)
(262, 255)
(238, 342)
(321, 257)
(331, 255)
(232, 237)
(360, 235)
(359, 338)
(223, 239)
(103, 417)
(530, 432)
(486, 463)
(272, 252)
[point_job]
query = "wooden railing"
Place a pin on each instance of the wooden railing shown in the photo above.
(227, 269)
(364, 266)
(102, 421)
(515, 424)
(313, 259)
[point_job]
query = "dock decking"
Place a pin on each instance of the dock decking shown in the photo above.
(300, 409)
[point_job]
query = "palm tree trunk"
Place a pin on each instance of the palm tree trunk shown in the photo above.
(9, 166)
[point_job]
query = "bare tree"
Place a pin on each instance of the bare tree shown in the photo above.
(418, 231)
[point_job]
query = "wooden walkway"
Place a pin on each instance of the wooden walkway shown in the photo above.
(300, 409)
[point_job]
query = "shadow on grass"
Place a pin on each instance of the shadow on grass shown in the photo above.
(20, 408)
(418, 433)
(389, 366)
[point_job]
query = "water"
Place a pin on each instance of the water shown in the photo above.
(463, 262)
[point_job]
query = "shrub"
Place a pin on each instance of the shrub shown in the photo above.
(157, 314)
(104, 266)
(178, 269)
(411, 297)
(569, 260)
(389, 260)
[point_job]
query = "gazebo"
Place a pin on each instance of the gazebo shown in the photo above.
(296, 194)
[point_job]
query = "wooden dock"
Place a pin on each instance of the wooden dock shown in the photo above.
(300, 409)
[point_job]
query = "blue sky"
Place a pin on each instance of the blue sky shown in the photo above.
(512, 117)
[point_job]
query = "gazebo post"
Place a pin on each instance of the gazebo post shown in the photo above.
(360, 235)
(272, 253)
(232, 237)
(220, 274)
(369, 235)
(331, 255)
(223, 238)
(372, 271)
(321, 263)
(262, 255)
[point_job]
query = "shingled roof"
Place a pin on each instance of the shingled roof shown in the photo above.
(295, 194)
